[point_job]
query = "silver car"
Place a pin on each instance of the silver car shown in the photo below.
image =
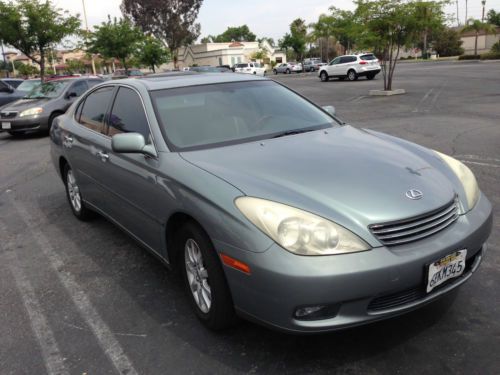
(288, 68)
(270, 207)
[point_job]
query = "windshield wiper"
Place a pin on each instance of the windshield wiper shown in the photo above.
(293, 132)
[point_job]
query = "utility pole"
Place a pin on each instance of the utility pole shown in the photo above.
(5, 62)
(87, 28)
(458, 18)
(483, 2)
(466, 20)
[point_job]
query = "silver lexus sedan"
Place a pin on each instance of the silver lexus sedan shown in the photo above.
(271, 208)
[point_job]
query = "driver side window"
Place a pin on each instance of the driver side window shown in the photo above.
(335, 61)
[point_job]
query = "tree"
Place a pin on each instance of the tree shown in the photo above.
(266, 39)
(390, 25)
(477, 26)
(152, 53)
(447, 42)
(298, 37)
(347, 27)
(237, 34)
(493, 17)
(115, 39)
(33, 27)
(429, 17)
(323, 29)
(27, 70)
(75, 66)
(171, 21)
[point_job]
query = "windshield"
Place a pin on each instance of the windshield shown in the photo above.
(28, 85)
(50, 89)
(220, 114)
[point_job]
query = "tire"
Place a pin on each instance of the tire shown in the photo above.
(275, 72)
(312, 70)
(352, 75)
(51, 120)
(288, 71)
(74, 196)
(202, 270)
(324, 76)
(370, 76)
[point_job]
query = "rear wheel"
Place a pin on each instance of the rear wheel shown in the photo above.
(351, 75)
(75, 197)
(204, 278)
(324, 76)
(288, 71)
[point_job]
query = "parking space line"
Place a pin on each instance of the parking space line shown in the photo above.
(104, 336)
(53, 360)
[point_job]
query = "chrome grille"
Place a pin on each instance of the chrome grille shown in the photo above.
(6, 115)
(415, 228)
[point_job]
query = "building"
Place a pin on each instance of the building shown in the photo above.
(484, 42)
(227, 54)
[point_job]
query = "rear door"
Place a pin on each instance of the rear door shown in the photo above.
(83, 139)
(131, 178)
(346, 63)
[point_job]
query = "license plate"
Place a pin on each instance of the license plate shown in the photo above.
(5, 125)
(449, 267)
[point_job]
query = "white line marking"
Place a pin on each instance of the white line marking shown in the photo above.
(105, 337)
(477, 157)
(53, 360)
(423, 99)
(477, 163)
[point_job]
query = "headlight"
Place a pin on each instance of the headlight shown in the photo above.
(31, 112)
(466, 176)
(298, 231)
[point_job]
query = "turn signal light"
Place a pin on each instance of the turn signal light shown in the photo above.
(234, 263)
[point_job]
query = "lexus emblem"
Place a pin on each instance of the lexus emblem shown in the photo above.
(414, 194)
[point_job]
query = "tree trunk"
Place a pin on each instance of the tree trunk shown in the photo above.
(176, 58)
(42, 65)
(125, 67)
(475, 43)
(425, 44)
(153, 66)
(327, 48)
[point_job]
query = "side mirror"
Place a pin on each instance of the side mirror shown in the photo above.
(131, 143)
(71, 94)
(330, 109)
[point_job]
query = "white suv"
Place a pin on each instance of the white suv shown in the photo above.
(250, 68)
(351, 67)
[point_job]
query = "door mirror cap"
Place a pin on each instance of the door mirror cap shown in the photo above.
(131, 143)
(330, 109)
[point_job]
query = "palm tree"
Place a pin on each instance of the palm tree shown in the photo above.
(476, 26)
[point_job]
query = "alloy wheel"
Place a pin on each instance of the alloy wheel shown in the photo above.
(197, 276)
(73, 191)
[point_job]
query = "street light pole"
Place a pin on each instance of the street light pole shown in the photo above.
(87, 28)
(483, 2)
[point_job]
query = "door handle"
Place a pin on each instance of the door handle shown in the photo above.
(68, 141)
(103, 155)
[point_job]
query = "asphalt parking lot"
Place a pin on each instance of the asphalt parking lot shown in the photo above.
(84, 298)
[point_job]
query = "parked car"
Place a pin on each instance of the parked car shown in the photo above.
(122, 73)
(250, 68)
(38, 108)
(223, 176)
(288, 68)
(209, 69)
(312, 65)
(14, 82)
(9, 94)
(351, 67)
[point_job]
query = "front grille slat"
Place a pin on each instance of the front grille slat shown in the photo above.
(7, 115)
(413, 229)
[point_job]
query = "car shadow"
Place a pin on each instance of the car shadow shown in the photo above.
(248, 347)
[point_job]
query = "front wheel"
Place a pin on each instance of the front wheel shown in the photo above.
(275, 72)
(204, 279)
(288, 71)
(324, 76)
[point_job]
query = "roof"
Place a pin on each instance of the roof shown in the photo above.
(169, 81)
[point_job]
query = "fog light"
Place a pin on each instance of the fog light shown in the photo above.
(317, 312)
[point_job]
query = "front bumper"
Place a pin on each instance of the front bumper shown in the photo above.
(361, 287)
(22, 124)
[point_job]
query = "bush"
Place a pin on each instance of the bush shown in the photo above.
(469, 57)
(495, 48)
(490, 56)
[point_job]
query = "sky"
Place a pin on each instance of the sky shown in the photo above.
(270, 18)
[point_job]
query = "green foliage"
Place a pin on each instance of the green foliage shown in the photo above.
(237, 34)
(171, 21)
(33, 26)
(267, 39)
(26, 70)
(495, 48)
(490, 56)
(259, 55)
(493, 17)
(429, 18)
(348, 27)
(447, 42)
(115, 39)
(296, 39)
(152, 53)
(477, 26)
(75, 66)
(469, 57)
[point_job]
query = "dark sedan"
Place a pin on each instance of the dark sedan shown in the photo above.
(36, 110)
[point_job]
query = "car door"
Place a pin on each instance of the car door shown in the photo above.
(331, 67)
(83, 138)
(131, 178)
(346, 63)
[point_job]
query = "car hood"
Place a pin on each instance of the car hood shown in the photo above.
(22, 104)
(347, 175)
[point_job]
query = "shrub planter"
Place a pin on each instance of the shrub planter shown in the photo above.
(387, 92)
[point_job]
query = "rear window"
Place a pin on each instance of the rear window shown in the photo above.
(242, 65)
(368, 57)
